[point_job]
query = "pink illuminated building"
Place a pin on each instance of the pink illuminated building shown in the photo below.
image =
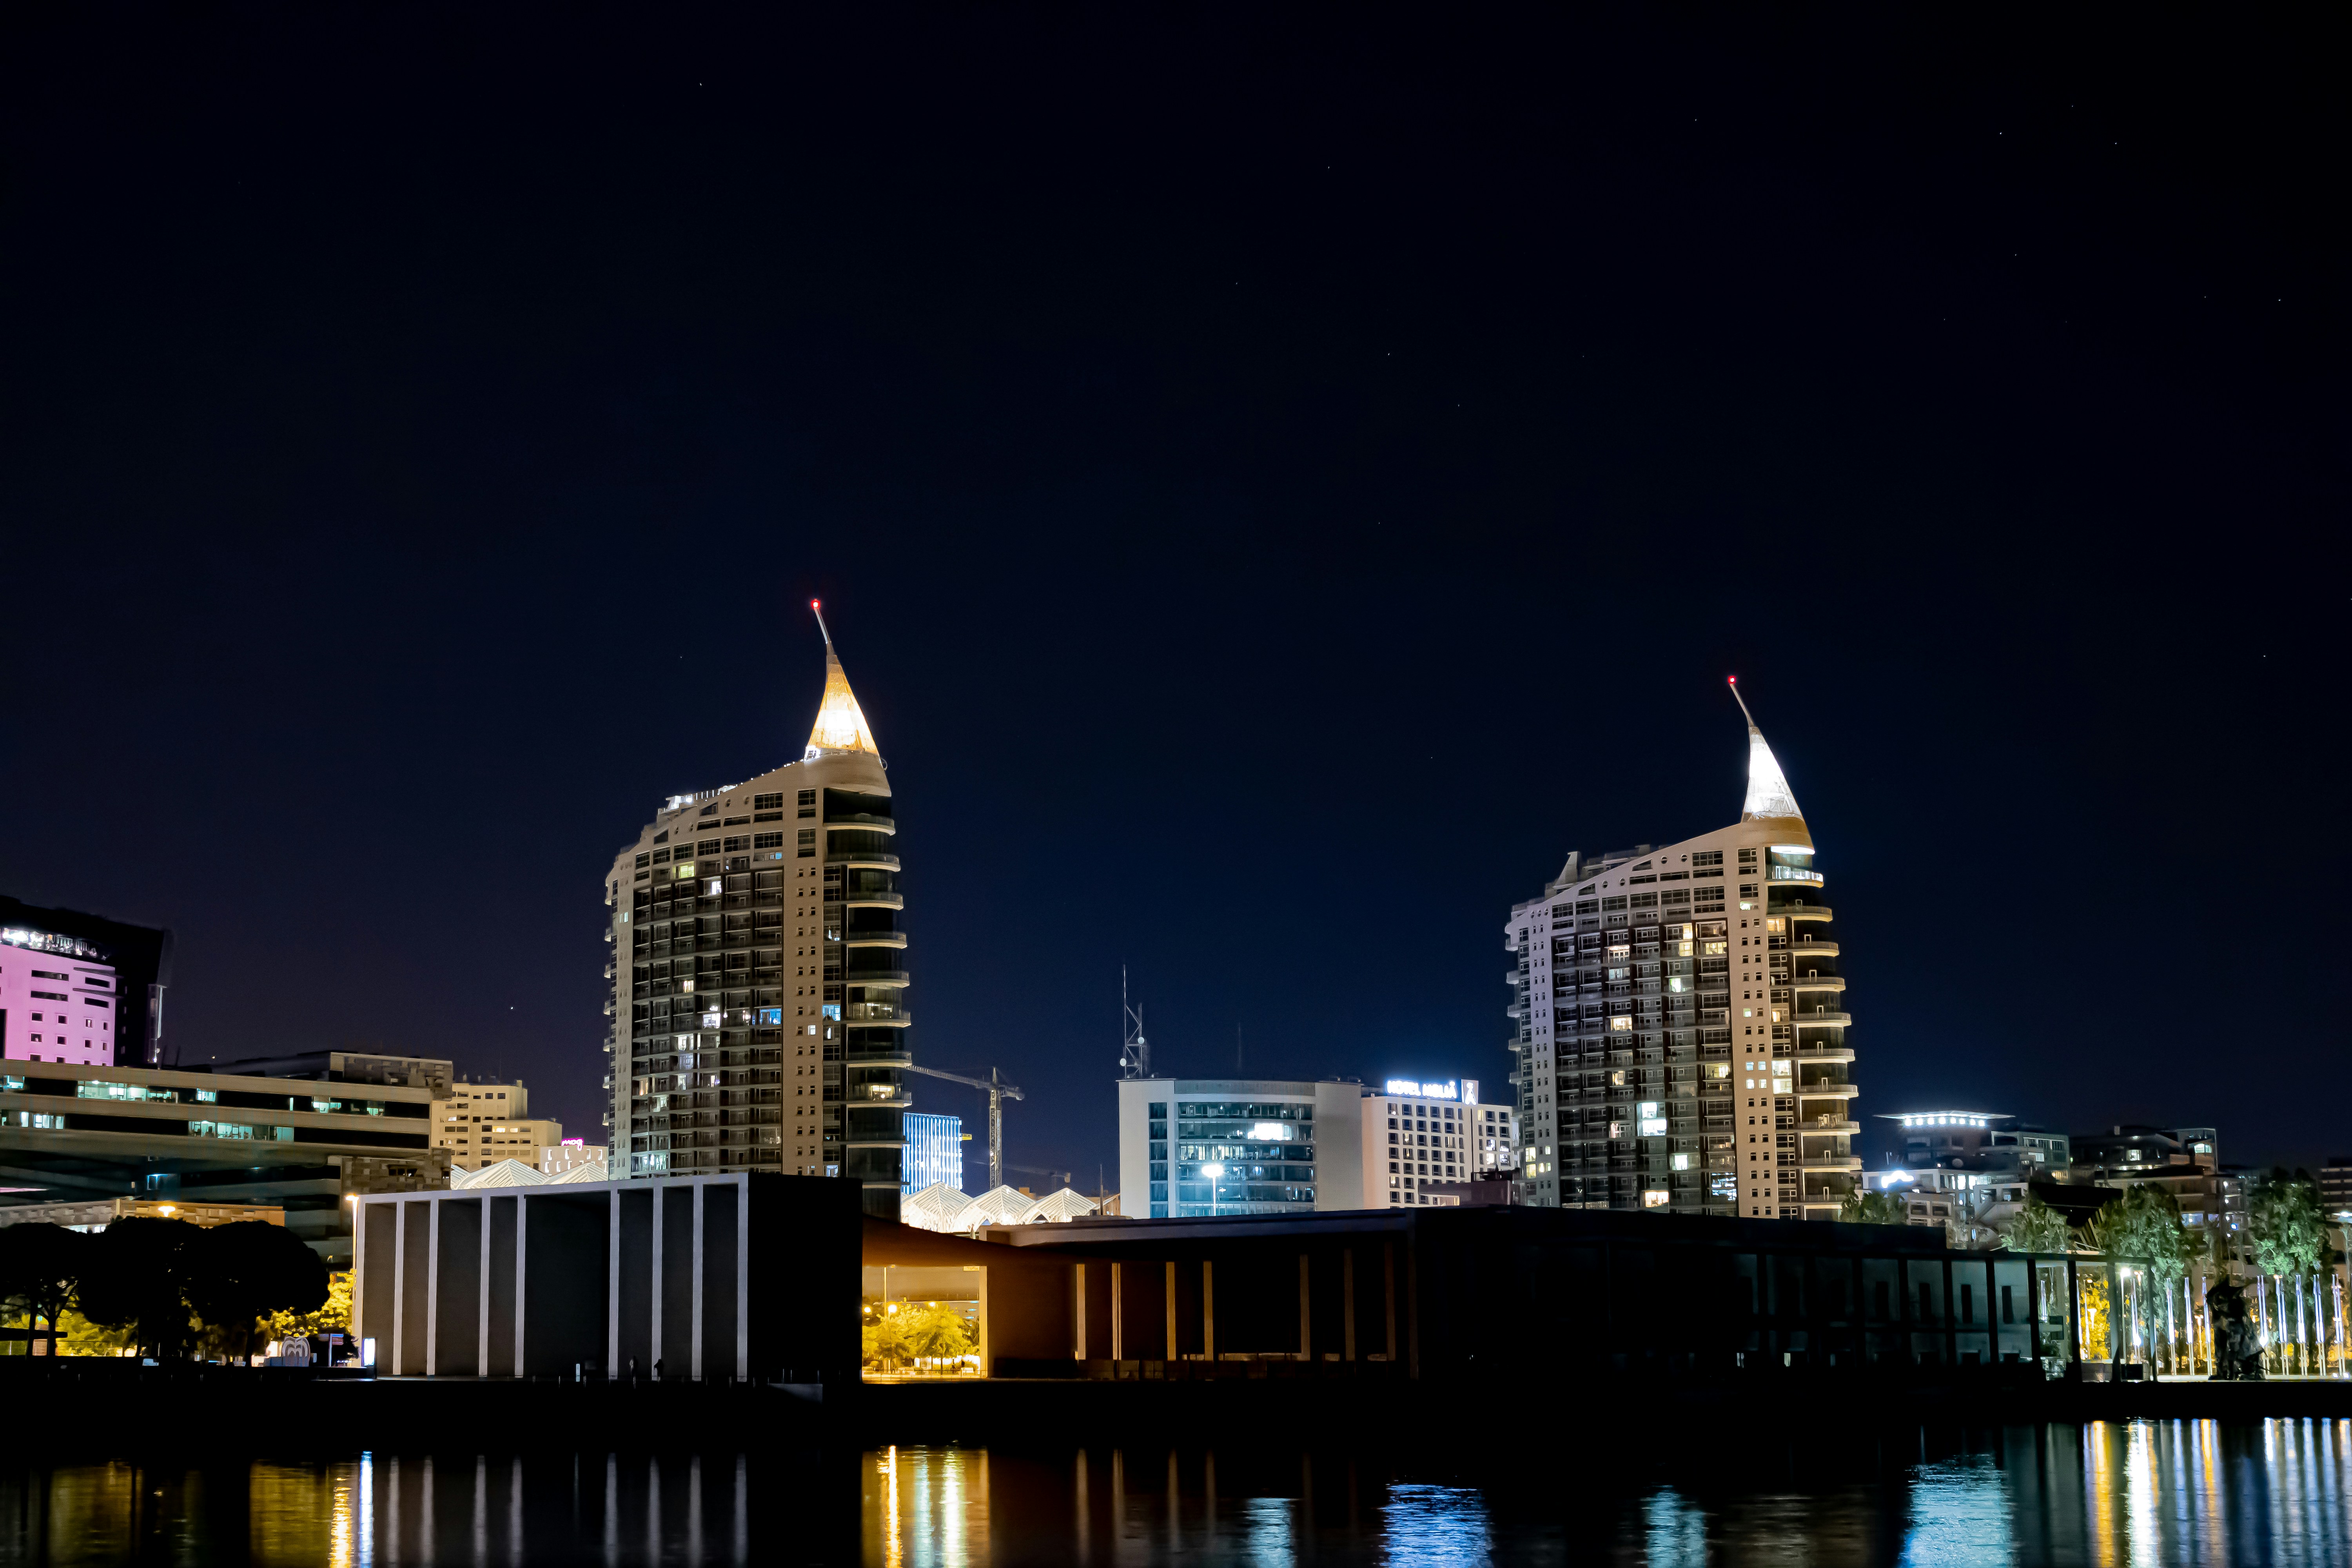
(56, 1008)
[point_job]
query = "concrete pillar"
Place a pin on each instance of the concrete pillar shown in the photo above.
(743, 1276)
(1209, 1309)
(1387, 1295)
(660, 1191)
(522, 1277)
(699, 1188)
(1348, 1303)
(399, 1289)
(1306, 1317)
(613, 1286)
(433, 1289)
(482, 1335)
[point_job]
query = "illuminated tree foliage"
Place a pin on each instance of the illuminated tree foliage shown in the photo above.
(2038, 1227)
(2288, 1225)
(1870, 1208)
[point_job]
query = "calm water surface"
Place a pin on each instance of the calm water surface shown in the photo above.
(2107, 1493)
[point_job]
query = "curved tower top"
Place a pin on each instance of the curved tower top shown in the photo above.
(840, 726)
(1770, 798)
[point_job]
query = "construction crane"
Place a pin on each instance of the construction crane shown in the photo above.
(998, 1092)
(1061, 1176)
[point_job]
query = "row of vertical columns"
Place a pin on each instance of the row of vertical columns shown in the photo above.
(1113, 1313)
(445, 1281)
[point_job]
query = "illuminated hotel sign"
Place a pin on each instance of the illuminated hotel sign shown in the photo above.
(1466, 1089)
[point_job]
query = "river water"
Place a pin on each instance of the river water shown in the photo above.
(2139, 1492)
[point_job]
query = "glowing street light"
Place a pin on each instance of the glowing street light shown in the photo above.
(1212, 1172)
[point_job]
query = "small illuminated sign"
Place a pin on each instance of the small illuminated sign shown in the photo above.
(1449, 1090)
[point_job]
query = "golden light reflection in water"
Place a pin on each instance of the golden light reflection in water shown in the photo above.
(2122, 1493)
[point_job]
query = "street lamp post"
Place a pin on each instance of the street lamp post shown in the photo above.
(1212, 1172)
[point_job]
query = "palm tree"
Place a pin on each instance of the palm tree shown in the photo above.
(2038, 1227)
(2288, 1225)
(1870, 1208)
(2142, 1226)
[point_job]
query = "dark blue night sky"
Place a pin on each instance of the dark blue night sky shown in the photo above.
(1279, 479)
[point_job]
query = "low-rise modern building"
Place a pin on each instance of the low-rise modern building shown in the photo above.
(74, 1131)
(2185, 1162)
(1195, 1148)
(482, 1124)
(1985, 1141)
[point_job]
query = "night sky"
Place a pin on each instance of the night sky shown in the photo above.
(1279, 479)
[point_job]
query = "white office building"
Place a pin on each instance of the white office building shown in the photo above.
(1194, 1148)
(1420, 1138)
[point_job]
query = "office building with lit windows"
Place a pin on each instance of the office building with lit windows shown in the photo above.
(1680, 1023)
(934, 1153)
(1198, 1148)
(1422, 1139)
(755, 929)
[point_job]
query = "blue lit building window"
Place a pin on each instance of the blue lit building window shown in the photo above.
(934, 1152)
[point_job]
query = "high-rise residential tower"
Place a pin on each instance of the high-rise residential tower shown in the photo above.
(755, 929)
(1681, 1024)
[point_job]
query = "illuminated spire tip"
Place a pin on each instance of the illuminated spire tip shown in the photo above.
(840, 722)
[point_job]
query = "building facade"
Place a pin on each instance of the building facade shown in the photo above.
(218, 1137)
(934, 1152)
(755, 930)
(482, 1124)
(1985, 1141)
(1198, 1148)
(1680, 1022)
(1423, 1141)
(2184, 1162)
(81, 988)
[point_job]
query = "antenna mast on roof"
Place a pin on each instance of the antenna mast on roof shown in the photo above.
(1733, 682)
(1134, 1052)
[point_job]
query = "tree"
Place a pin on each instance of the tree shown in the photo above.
(168, 1283)
(2142, 1226)
(333, 1318)
(39, 1263)
(1870, 1208)
(2288, 1225)
(939, 1330)
(134, 1277)
(243, 1272)
(884, 1333)
(2038, 1227)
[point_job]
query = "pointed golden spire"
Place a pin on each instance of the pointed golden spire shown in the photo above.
(1770, 798)
(840, 723)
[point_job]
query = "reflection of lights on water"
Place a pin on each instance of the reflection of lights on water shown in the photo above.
(1673, 1530)
(1961, 1512)
(1436, 1525)
(893, 1553)
(365, 1555)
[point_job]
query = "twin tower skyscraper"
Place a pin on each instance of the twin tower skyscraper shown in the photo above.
(758, 976)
